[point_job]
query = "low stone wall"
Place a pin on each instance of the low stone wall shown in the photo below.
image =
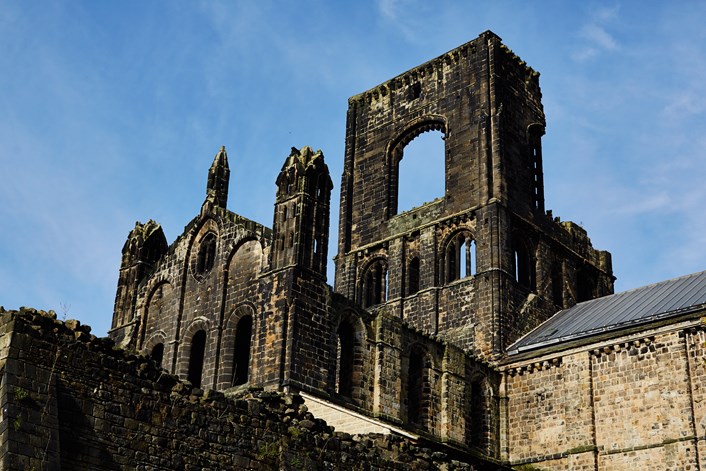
(70, 400)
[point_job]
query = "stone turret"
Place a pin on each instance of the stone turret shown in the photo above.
(301, 219)
(218, 180)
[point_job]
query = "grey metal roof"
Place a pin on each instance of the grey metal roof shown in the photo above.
(618, 311)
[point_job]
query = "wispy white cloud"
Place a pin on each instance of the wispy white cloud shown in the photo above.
(598, 35)
(594, 35)
(389, 8)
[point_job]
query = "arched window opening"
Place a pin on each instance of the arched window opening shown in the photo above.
(421, 175)
(418, 388)
(557, 284)
(413, 276)
(479, 407)
(522, 268)
(243, 335)
(460, 257)
(344, 360)
(375, 284)
(196, 356)
(157, 354)
(207, 254)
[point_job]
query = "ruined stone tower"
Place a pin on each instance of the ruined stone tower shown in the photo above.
(483, 263)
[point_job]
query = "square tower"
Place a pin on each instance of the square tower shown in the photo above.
(483, 263)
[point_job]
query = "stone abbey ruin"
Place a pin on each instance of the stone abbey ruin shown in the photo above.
(475, 331)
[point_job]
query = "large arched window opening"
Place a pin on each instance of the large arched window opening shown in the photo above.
(460, 257)
(241, 357)
(344, 359)
(157, 354)
(422, 177)
(374, 289)
(196, 356)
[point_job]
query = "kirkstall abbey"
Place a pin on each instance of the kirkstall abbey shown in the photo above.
(477, 321)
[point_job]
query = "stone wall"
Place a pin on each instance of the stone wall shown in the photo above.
(627, 403)
(73, 401)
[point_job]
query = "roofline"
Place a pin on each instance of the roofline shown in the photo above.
(611, 327)
(604, 333)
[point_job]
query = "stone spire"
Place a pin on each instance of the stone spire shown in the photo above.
(218, 178)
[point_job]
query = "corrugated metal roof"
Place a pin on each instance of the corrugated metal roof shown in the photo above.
(618, 311)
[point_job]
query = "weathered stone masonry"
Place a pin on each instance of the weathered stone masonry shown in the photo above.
(425, 300)
(627, 402)
(69, 400)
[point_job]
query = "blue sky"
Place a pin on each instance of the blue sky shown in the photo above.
(112, 112)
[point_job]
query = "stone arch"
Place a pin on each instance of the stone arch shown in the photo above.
(373, 283)
(159, 301)
(204, 249)
(458, 256)
(238, 340)
(246, 243)
(189, 361)
(152, 346)
(395, 152)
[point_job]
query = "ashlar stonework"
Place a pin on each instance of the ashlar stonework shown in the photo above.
(477, 322)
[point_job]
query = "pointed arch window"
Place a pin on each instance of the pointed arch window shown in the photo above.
(243, 336)
(207, 254)
(196, 357)
(408, 186)
(375, 284)
(460, 257)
